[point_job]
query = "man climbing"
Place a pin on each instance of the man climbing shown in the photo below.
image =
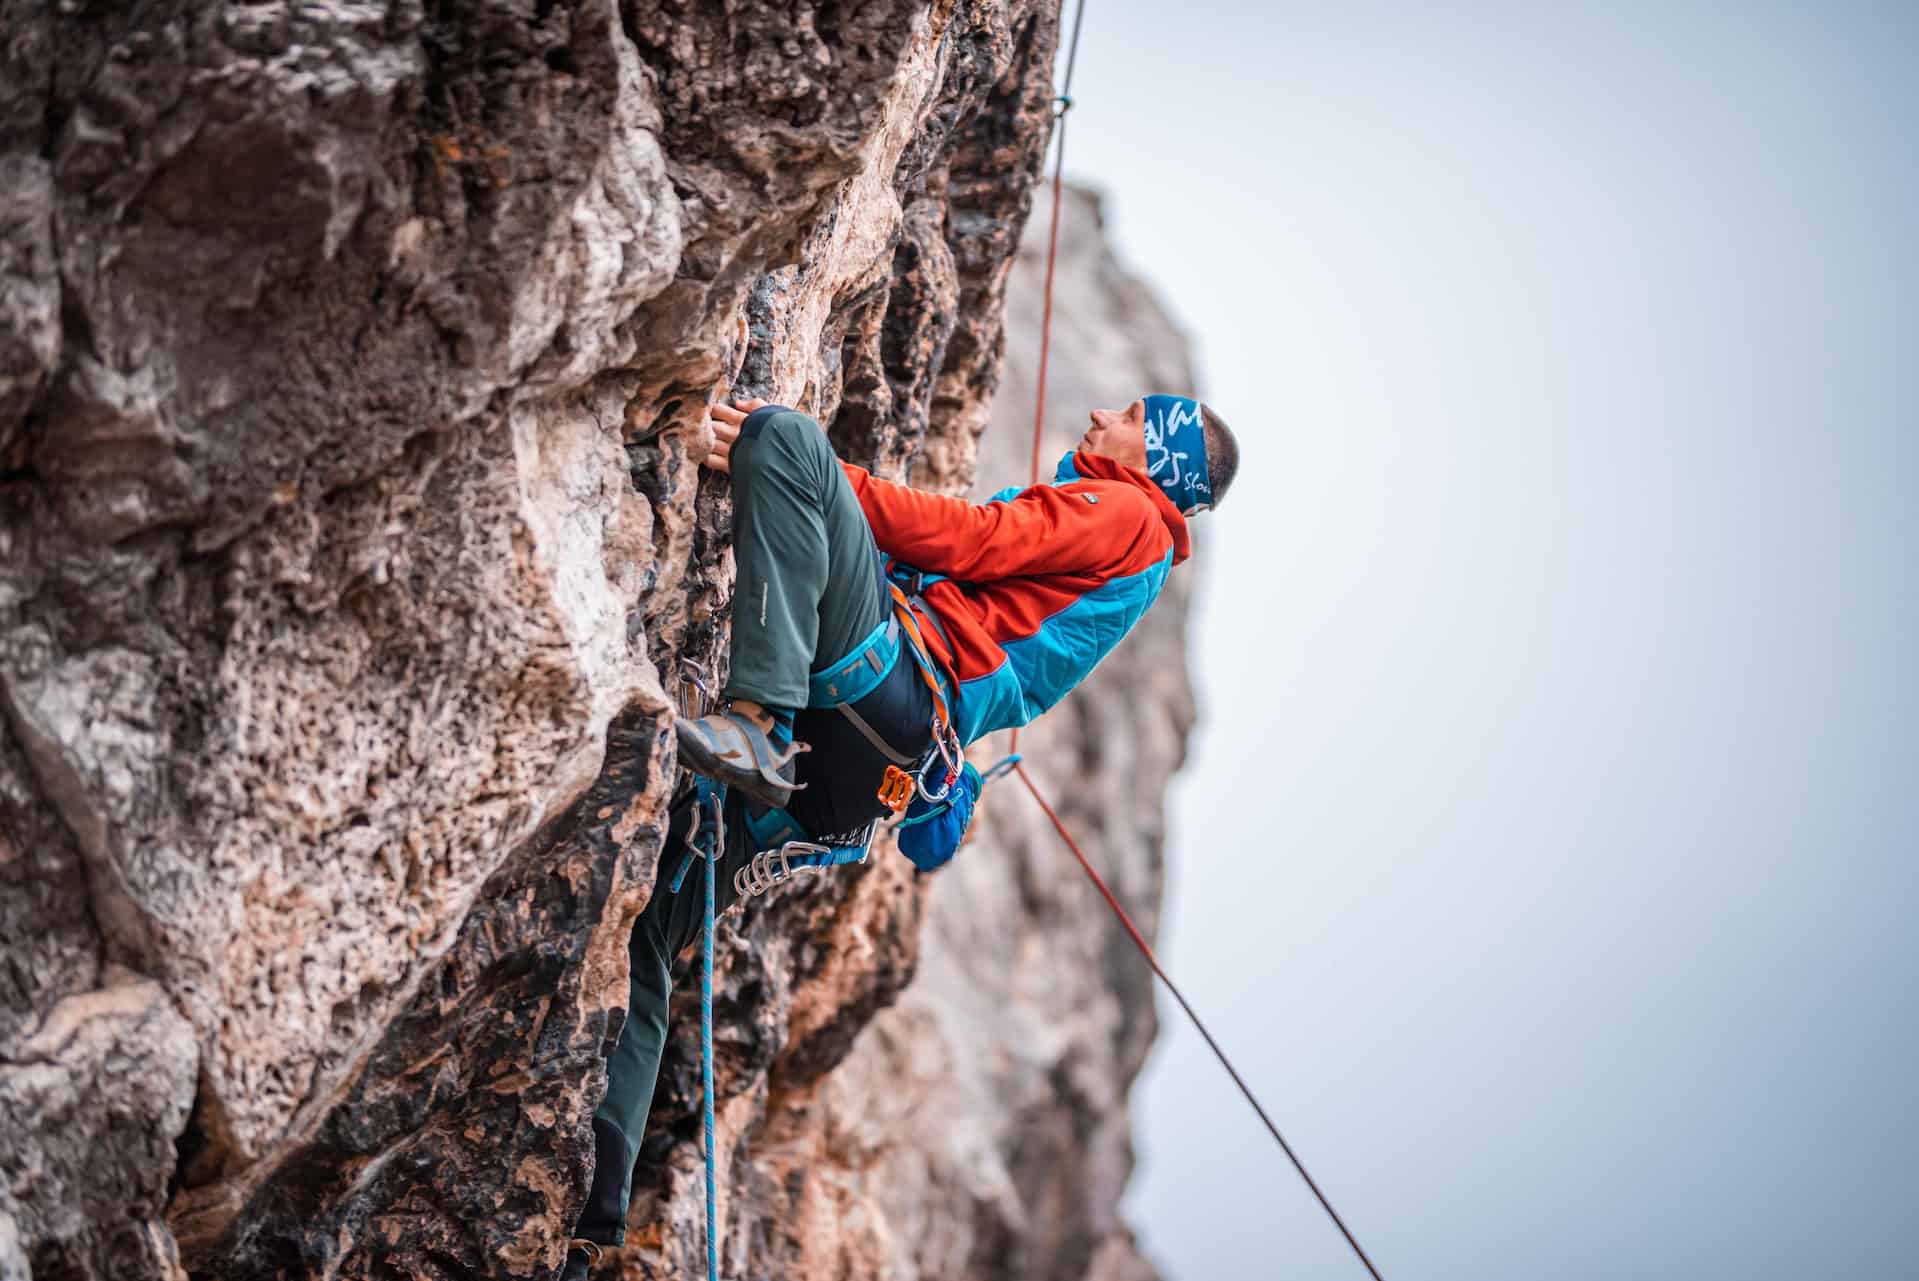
(877, 628)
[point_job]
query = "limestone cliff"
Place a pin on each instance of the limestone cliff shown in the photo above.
(353, 363)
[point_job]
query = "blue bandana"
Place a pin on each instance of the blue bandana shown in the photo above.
(1176, 452)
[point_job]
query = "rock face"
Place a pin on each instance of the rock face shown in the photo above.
(353, 366)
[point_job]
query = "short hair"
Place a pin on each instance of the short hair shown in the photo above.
(1222, 455)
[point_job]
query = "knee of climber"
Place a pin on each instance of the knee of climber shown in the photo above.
(778, 433)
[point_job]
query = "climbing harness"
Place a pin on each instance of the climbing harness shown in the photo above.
(786, 850)
(861, 672)
(1013, 762)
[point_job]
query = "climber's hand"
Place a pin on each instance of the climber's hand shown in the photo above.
(726, 419)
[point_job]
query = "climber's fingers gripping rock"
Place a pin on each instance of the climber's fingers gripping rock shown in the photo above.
(726, 419)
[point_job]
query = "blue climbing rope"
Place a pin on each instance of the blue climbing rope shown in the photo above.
(714, 795)
(706, 1082)
(707, 842)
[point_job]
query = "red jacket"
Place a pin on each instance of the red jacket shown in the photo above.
(1039, 583)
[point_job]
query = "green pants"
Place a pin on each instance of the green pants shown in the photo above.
(806, 585)
(670, 922)
(807, 591)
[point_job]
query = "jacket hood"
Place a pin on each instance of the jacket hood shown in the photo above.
(1082, 466)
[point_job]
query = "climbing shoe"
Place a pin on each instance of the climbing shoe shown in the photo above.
(730, 749)
(579, 1254)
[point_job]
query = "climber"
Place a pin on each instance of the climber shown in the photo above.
(875, 627)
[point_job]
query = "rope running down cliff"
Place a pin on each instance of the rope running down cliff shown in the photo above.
(1065, 101)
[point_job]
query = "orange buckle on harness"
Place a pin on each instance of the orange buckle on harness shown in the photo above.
(896, 789)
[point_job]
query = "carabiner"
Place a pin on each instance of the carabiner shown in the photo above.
(1001, 768)
(695, 695)
(946, 786)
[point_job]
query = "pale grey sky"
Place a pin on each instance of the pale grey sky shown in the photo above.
(1547, 853)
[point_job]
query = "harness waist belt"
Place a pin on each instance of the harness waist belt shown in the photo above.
(860, 672)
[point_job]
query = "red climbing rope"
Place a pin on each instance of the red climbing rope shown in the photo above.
(1139, 940)
(1046, 315)
(1065, 101)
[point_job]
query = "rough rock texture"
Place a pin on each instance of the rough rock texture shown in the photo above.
(353, 363)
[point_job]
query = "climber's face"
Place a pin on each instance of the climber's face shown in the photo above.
(1118, 434)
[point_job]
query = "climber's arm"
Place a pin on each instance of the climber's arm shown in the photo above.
(1044, 530)
(1085, 529)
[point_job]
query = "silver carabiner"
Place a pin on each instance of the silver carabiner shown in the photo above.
(769, 867)
(695, 695)
(940, 756)
(919, 785)
(719, 828)
(693, 849)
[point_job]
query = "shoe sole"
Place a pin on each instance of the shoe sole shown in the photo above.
(694, 756)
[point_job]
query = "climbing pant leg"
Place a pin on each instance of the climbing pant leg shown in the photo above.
(842, 773)
(631, 1072)
(669, 923)
(807, 592)
(806, 587)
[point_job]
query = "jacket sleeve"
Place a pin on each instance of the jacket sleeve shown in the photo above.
(1087, 529)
